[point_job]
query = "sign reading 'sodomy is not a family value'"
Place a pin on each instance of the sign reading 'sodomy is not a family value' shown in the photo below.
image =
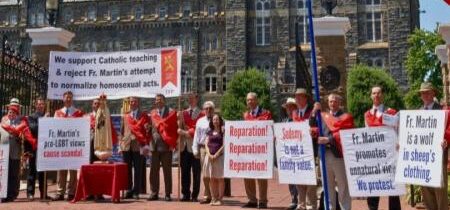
(142, 73)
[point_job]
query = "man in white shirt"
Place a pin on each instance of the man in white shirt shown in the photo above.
(198, 146)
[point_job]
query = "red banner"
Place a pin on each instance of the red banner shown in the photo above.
(169, 67)
(447, 1)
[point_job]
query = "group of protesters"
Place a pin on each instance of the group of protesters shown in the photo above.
(198, 134)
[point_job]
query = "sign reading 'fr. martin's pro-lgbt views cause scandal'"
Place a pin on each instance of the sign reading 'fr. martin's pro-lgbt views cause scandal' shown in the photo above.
(142, 73)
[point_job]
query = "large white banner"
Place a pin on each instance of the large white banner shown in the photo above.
(63, 143)
(142, 73)
(370, 157)
(295, 153)
(4, 162)
(420, 152)
(248, 149)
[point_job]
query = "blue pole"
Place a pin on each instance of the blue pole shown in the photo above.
(317, 99)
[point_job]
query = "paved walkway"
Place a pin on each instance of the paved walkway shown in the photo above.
(278, 199)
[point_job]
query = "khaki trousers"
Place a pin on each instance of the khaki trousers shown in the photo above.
(436, 198)
(304, 192)
(336, 177)
(250, 190)
(203, 156)
(62, 181)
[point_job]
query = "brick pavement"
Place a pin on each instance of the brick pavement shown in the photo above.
(278, 199)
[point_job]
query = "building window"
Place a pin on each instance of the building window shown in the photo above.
(141, 44)
(224, 83)
(301, 4)
(13, 19)
(376, 62)
(373, 2)
(110, 46)
(186, 80)
(92, 13)
(206, 43)
(186, 10)
(212, 10)
(133, 45)
(162, 12)
(94, 46)
(117, 45)
(263, 23)
(32, 19)
(68, 16)
(214, 42)
(114, 14)
(210, 80)
(373, 25)
(40, 19)
(303, 30)
(86, 47)
(138, 13)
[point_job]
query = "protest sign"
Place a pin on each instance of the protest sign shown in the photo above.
(4, 162)
(63, 143)
(142, 73)
(420, 152)
(295, 153)
(370, 158)
(248, 149)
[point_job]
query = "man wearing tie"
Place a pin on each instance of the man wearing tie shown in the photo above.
(188, 162)
(134, 137)
(68, 111)
(160, 148)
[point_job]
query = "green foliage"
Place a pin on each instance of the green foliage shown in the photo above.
(360, 81)
(422, 65)
(234, 99)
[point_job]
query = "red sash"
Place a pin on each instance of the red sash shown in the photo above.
(335, 124)
(264, 115)
(298, 118)
(167, 127)
(61, 114)
(372, 120)
(137, 127)
(447, 129)
(190, 123)
(22, 129)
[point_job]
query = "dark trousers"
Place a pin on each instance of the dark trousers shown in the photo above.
(31, 179)
(294, 193)
(394, 203)
(13, 179)
(189, 163)
(92, 158)
(134, 161)
(159, 159)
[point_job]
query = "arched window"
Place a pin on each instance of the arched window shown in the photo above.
(210, 80)
(114, 13)
(263, 25)
(92, 13)
(138, 12)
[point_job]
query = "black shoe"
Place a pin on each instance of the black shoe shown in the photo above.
(99, 198)
(185, 199)
(167, 198)
(70, 197)
(292, 207)
(153, 198)
(136, 196)
(250, 205)
(46, 198)
(58, 198)
(90, 198)
(6, 200)
(206, 201)
(129, 195)
(262, 206)
(194, 200)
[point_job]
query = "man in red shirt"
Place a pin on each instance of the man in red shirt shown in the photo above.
(256, 113)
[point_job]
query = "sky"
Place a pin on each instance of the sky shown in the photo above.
(433, 11)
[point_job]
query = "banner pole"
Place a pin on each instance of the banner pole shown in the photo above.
(317, 99)
(179, 153)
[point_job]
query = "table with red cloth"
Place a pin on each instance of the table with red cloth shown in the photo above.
(102, 179)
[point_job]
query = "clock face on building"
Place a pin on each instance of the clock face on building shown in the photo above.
(330, 78)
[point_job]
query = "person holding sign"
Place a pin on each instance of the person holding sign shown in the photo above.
(255, 113)
(374, 117)
(198, 145)
(334, 120)
(68, 111)
(135, 137)
(13, 129)
(435, 198)
(164, 140)
(189, 118)
(33, 120)
(213, 165)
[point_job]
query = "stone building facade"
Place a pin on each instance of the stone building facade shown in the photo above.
(220, 37)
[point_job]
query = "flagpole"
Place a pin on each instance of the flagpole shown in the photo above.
(317, 99)
(179, 152)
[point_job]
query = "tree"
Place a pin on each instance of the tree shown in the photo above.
(234, 100)
(360, 81)
(422, 65)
